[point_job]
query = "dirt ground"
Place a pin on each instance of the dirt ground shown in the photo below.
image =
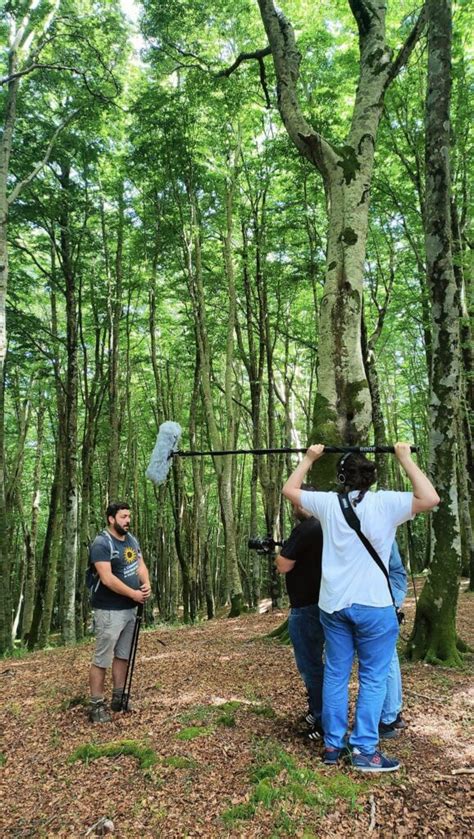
(221, 706)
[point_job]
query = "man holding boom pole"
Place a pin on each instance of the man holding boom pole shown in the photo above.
(356, 602)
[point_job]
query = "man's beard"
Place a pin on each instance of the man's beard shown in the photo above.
(122, 531)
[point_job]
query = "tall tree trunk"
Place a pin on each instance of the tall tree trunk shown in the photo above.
(342, 410)
(115, 306)
(434, 633)
(31, 534)
(223, 466)
(70, 488)
(5, 152)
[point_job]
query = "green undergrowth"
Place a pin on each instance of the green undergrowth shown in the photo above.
(263, 711)
(281, 784)
(179, 762)
(203, 719)
(92, 751)
(209, 716)
(3, 759)
(194, 731)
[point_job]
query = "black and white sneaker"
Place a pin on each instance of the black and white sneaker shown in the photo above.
(316, 732)
(310, 719)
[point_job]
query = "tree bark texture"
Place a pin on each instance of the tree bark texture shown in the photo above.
(342, 411)
(434, 634)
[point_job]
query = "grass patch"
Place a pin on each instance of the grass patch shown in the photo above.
(178, 762)
(92, 751)
(200, 713)
(239, 812)
(213, 714)
(194, 731)
(281, 784)
(3, 759)
(263, 711)
(226, 719)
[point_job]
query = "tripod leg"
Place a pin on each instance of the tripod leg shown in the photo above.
(131, 659)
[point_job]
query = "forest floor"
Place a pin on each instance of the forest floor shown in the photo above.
(215, 746)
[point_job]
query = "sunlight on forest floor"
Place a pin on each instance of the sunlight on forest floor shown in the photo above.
(216, 748)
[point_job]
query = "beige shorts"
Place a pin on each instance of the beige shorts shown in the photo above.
(114, 631)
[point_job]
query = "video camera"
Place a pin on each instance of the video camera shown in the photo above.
(263, 544)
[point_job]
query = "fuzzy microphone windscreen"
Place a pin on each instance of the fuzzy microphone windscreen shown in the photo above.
(161, 458)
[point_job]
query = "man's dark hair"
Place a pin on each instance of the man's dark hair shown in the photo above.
(308, 488)
(356, 471)
(113, 509)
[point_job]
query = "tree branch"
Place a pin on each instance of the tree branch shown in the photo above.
(245, 56)
(21, 184)
(407, 48)
(37, 66)
(286, 59)
(362, 13)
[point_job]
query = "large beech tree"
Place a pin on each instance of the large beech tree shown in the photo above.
(343, 407)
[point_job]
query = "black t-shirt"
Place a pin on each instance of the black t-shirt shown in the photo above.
(124, 563)
(304, 546)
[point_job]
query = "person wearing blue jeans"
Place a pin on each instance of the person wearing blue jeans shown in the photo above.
(356, 608)
(391, 722)
(300, 561)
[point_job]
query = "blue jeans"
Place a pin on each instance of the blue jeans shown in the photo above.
(307, 637)
(371, 632)
(393, 696)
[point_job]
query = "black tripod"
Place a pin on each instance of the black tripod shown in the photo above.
(131, 658)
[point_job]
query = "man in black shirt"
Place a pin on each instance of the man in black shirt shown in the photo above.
(121, 582)
(300, 561)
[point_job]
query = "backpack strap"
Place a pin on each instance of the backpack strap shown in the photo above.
(353, 522)
(106, 533)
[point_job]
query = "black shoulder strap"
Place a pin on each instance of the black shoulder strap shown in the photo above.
(353, 521)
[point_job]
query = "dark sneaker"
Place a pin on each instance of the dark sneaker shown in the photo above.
(310, 719)
(98, 712)
(316, 732)
(376, 762)
(116, 704)
(400, 723)
(389, 730)
(332, 756)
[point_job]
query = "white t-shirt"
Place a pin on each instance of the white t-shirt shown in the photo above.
(349, 573)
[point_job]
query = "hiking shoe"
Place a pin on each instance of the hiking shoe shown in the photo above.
(116, 704)
(315, 732)
(98, 711)
(389, 730)
(400, 723)
(376, 762)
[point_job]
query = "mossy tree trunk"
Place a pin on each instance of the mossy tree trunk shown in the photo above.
(342, 410)
(434, 633)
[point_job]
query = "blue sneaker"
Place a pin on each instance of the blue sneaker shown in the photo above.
(376, 762)
(331, 755)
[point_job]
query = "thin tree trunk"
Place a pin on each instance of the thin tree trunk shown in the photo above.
(115, 306)
(31, 534)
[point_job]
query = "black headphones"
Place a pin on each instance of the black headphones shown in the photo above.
(341, 475)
